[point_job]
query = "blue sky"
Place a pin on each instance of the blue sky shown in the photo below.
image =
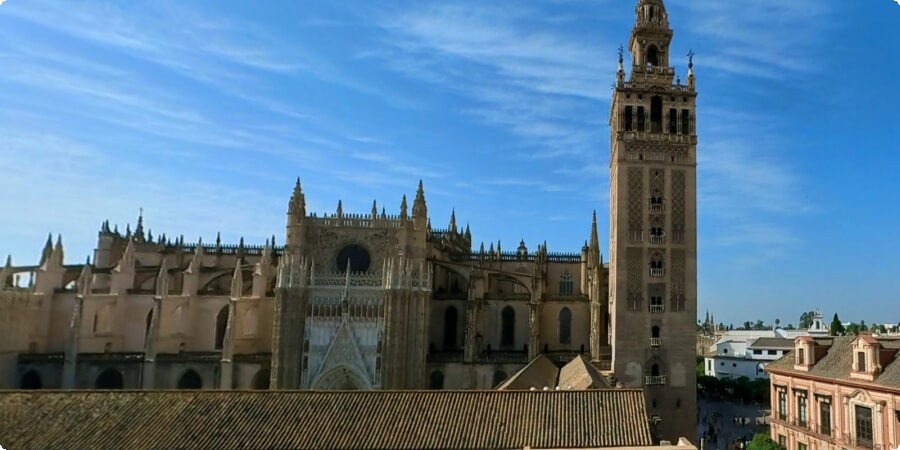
(204, 112)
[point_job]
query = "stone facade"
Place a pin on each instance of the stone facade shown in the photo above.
(385, 301)
(653, 224)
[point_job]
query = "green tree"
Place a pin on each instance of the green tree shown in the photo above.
(763, 442)
(777, 323)
(790, 326)
(837, 328)
(759, 325)
(852, 329)
(881, 329)
(748, 326)
(806, 320)
(862, 326)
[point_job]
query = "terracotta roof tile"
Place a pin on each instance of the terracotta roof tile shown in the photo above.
(316, 419)
(838, 362)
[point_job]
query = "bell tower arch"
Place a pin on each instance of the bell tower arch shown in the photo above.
(653, 239)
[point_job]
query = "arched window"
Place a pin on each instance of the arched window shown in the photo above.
(508, 327)
(656, 114)
(437, 380)
(654, 332)
(654, 370)
(652, 54)
(565, 326)
(109, 379)
(450, 325)
(685, 121)
(190, 380)
(499, 377)
(629, 118)
(261, 380)
(31, 380)
(640, 118)
(566, 286)
(221, 325)
(358, 257)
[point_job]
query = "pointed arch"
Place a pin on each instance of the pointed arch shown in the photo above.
(565, 326)
(178, 319)
(451, 321)
(190, 380)
(31, 381)
(566, 284)
(508, 327)
(109, 379)
(436, 381)
(221, 326)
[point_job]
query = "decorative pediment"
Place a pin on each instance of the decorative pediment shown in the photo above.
(344, 351)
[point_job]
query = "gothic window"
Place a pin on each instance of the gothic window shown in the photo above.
(565, 326)
(628, 118)
(221, 324)
(31, 380)
(357, 256)
(673, 121)
(566, 285)
(640, 118)
(508, 327)
(450, 326)
(652, 52)
(261, 380)
(499, 377)
(654, 370)
(685, 121)
(656, 112)
(656, 265)
(109, 379)
(654, 332)
(190, 380)
(437, 380)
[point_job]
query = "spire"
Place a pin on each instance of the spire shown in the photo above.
(48, 249)
(340, 209)
(420, 209)
(595, 241)
(453, 221)
(468, 233)
(84, 281)
(162, 279)
(649, 43)
(219, 239)
(58, 253)
(374, 209)
(691, 82)
(126, 263)
(403, 213)
(237, 281)
(297, 205)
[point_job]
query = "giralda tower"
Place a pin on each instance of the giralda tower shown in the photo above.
(653, 226)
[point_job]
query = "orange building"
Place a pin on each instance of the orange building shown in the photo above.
(837, 393)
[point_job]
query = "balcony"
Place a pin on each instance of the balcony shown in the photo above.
(657, 205)
(656, 309)
(655, 381)
(657, 240)
(657, 273)
(655, 342)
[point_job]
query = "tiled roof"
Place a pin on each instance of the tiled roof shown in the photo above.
(541, 373)
(838, 362)
(320, 420)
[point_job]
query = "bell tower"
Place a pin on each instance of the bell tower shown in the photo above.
(653, 226)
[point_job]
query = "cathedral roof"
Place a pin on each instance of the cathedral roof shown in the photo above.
(541, 372)
(322, 419)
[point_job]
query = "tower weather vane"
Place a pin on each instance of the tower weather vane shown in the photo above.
(621, 52)
(690, 56)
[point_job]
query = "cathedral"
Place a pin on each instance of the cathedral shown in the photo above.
(381, 299)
